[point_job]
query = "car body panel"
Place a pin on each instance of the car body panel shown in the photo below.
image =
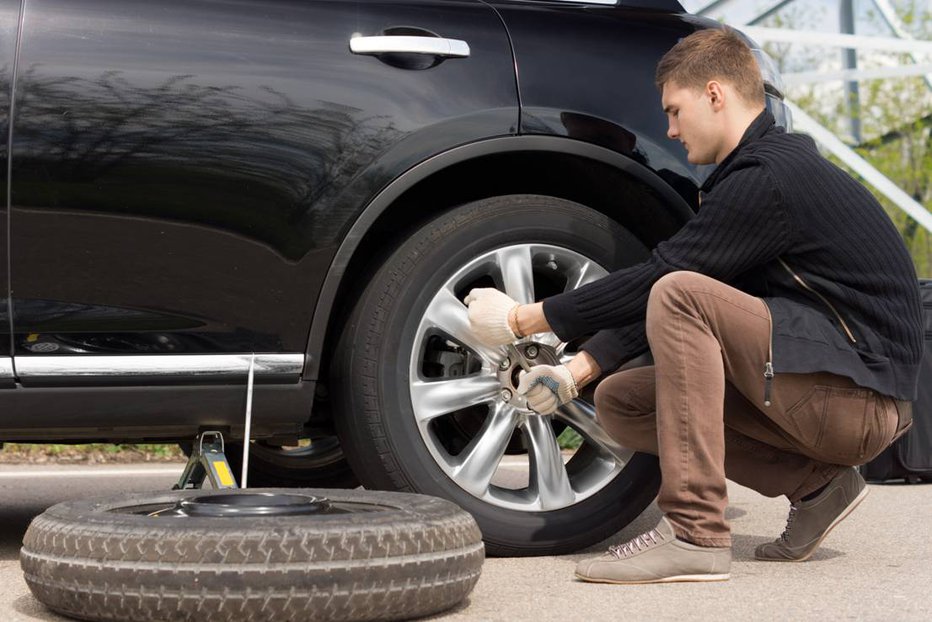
(183, 195)
(152, 413)
(599, 89)
(146, 144)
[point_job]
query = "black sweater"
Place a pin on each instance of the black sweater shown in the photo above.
(775, 207)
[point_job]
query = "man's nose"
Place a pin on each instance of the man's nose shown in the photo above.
(673, 131)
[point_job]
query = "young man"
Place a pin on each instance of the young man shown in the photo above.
(784, 322)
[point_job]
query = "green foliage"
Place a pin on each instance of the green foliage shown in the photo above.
(569, 439)
(895, 116)
(28, 452)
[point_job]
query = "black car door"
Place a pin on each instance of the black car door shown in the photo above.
(183, 170)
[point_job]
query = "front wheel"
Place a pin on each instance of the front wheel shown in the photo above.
(424, 406)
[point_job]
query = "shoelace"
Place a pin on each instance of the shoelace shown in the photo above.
(637, 544)
(789, 523)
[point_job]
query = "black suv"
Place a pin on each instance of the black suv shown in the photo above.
(318, 184)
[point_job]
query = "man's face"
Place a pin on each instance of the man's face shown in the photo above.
(692, 119)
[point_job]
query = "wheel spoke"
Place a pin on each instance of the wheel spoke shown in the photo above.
(581, 416)
(480, 459)
(587, 272)
(432, 399)
(450, 315)
(548, 473)
(517, 273)
(550, 339)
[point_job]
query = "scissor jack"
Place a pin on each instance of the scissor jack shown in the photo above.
(208, 461)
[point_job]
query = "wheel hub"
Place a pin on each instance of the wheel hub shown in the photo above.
(509, 371)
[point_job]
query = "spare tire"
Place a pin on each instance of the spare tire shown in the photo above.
(255, 554)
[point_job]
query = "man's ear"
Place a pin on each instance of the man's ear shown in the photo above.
(716, 94)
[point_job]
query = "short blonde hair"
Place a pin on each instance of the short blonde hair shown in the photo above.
(713, 54)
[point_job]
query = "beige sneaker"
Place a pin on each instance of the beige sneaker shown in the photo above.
(657, 557)
(810, 521)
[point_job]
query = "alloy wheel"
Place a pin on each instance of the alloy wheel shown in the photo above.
(476, 426)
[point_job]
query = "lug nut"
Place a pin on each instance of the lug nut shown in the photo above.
(531, 352)
(506, 395)
(505, 364)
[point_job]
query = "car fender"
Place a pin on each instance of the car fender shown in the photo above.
(675, 205)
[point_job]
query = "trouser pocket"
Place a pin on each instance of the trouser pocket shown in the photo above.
(843, 425)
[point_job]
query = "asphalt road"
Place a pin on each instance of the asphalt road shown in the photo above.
(877, 565)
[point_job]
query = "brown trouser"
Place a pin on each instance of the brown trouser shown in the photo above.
(700, 407)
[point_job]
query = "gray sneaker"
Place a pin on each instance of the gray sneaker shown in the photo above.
(810, 521)
(657, 557)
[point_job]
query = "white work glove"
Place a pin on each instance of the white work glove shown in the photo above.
(488, 316)
(547, 387)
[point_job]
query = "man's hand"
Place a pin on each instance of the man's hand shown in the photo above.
(490, 314)
(547, 387)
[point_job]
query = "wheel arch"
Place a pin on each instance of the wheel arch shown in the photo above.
(605, 180)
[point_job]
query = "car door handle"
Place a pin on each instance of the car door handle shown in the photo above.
(431, 46)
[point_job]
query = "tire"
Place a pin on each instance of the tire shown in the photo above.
(274, 466)
(400, 431)
(391, 556)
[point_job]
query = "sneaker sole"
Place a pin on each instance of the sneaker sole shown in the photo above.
(815, 546)
(691, 578)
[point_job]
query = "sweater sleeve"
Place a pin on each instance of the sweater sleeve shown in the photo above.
(612, 347)
(741, 224)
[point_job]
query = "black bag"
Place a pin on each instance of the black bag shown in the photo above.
(910, 457)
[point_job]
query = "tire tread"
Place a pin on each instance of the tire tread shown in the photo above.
(83, 562)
